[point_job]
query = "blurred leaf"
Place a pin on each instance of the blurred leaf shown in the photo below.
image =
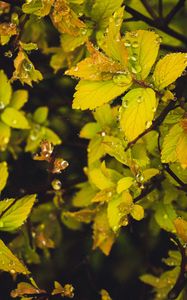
(14, 118)
(5, 132)
(19, 98)
(5, 90)
(169, 68)
(137, 212)
(90, 130)
(40, 8)
(105, 295)
(40, 114)
(25, 288)
(29, 46)
(181, 228)
(13, 213)
(84, 215)
(165, 216)
(124, 184)
(133, 119)
(84, 196)
(3, 175)
(9, 262)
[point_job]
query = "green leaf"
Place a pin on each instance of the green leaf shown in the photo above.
(3, 175)
(4, 135)
(115, 147)
(168, 69)
(137, 212)
(14, 118)
(141, 56)
(104, 115)
(113, 45)
(168, 153)
(137, 111)
(40, 114)
(149, 173)
(29, 46)
(83, 197)
(5, 90)
(19, 98)
(40, 8)
(95, 149)
(13, 213)
(124, 184)
(100, 180)
(103, 10)
(139, 155)
(90, 95)
(51, 136)
(9, 262)
(90, 130)
(118, 209)
(165, 216)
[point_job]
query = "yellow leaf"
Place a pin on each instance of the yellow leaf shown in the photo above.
(181, 228)
(181, 150)
(143, 46)
(137, 212)
(90, 95)
(100, 180)
(149, 173)
(3, 175)
(124, 184)
(137, 112)
(169, 68)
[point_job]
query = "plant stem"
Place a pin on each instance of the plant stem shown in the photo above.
(149, 9)
(174, 11)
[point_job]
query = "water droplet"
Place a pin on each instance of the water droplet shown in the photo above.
(140, 99)
(2, 105)
(14, 122)
(103, 133)
(133, 58)
(136, 69)
(56, 184)
(12, 271)
(165, 216)
(27, 66)
(135, 44)
(153, 109)
(127, 43)
(125, 103)
(148, 124)
(122, 79)
(8, 54)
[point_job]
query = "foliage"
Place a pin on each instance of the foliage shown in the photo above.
(103, 55)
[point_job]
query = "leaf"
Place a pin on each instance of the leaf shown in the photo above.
(19, 98)
(95, 149)
(9, 262)
(124, 184)
(141, 56)
(90, 95)
(113, 45)
(137, 112)
(5, 90)
(104, 195)
(25, 288)
(118, 209)
(103, 236)
(3, 175)
(84, 196)
(168, 153)
(181, 228)
(103, 10)
(40, 114)
(66, 291)
(90, 130)
(165, 216)
(8, 29)
(99, 179)
(139, 155)
(4, 135)
(168, 69)
(115, 148)
(105, 295)
(14, 118)
(137, 212)
(104, 115)
(51, 136)
(13, 213)
(40, 8)
(181, 152)
(25, 70)
(84, 215)
(149, 173)
(28, 46)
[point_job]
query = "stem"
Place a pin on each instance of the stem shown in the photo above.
(174, 11)
(175, 177)
(149, 9)
(155, 123)
(157, 24)
(160, 8)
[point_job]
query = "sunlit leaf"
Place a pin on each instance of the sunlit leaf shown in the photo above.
(40, 114)
(137, 112)
(5, 132)
(14, 118)
(19, 98)
(169, 68)
(9, 262)
(90, 130)
(5, 90)
(124, 184)
(181, 228)
(25, 288)
(137, 212)
(3, 175)
(165, 216)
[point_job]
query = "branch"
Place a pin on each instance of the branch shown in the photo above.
(149, 9)
(181, 280)
(159, 24)
(14, 2)
(175, 177)
(174, 11)
(156, 123)
(160, 8)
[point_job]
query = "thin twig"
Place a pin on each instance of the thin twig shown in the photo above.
(160, 8)
(157, 24)
(175, 177)
(149, 9)
(174, 11)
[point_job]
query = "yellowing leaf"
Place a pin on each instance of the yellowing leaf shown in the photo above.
(8, 29)
(141, 56)
(137, 112)
(124, 183)
(181, 150)
(9, 262)
(40, 114)
(105, 295)
(19, 98)
(13, 213)
(103, 236)
(137, 212)
(90, 130)
(103, 10)
(169, 145)
(40, 8)
(90, 95)
(3, 174)
(149, 173)
(95, 149)
(165, 216)
(169, 68)
(104, 115)
(5, 90)
(99, 179)
(84, 215)
(84, 196)
(4, 135)
(113, 45)
(181, 228)
(14, 118)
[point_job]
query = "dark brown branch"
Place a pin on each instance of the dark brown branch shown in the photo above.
(156, 123)
(174, 11)
(181, 280)
(149, 9)
(175, 177)
(160, 8)
(14, 2)
(173, 48)
(159, 24)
